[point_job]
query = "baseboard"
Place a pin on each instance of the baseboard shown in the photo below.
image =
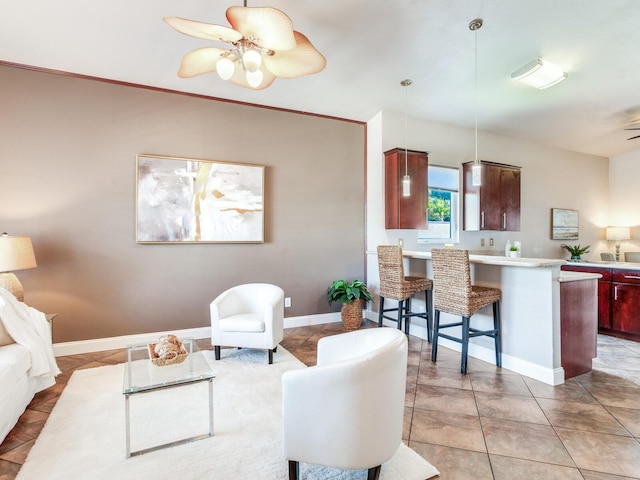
(550, 376)
(114, 343)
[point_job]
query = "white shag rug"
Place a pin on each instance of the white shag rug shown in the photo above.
(84, 436)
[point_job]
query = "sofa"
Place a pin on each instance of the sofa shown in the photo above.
(27, 364)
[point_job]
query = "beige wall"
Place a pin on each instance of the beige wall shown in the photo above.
(68, 179)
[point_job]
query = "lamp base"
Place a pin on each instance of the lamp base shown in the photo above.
(617, 252)
(10, 282)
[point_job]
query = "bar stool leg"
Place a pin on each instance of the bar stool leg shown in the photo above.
(400, 309)
(428, 297)
(436, 327)
(380, 311)
(465, 344)
(496, 327)
(407, 317)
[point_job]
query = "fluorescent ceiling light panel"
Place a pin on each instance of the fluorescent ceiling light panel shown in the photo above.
(539, 74)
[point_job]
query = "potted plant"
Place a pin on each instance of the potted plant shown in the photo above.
(513, 251)
(351, 295)
(576, 251)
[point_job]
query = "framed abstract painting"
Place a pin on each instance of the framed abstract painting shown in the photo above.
(564, 224)
(184, 200)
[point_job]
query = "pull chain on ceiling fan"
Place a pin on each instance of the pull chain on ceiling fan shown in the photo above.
(264, 47)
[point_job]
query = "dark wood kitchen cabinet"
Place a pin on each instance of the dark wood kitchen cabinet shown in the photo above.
(625, 302)
(495, 204)
(604, 292)
(618, 300)
(406, 212)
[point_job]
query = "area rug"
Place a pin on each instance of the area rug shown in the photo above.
(84, 436)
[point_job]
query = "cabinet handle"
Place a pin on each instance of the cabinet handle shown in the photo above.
(482, 219)
(504, 221)
(615, 292)
(634, 277)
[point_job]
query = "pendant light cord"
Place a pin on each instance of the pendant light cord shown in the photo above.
(475, 90)
(406, 155)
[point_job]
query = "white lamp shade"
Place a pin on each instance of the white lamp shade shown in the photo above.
(252, 60)
(540, 74)
(618, 233)
(255, 78)
(16, 253)
(225, 68)
(406, 186)
(476, 174)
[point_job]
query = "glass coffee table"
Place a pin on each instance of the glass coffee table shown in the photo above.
(141, 376)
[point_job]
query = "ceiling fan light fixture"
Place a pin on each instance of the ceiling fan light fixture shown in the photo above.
(252, 59)
(225, 68)
(262, 41)
(255, 78)
(540, 74)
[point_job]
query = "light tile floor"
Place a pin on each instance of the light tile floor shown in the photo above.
(488, 424)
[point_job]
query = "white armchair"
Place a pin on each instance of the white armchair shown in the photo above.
(248, 316)
(347, 411)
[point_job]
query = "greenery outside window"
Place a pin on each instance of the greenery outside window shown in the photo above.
(442, 226)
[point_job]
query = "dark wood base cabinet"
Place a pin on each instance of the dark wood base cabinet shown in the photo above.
(618, 300)
(578, 330)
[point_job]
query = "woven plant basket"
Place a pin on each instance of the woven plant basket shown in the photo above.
(351, 315)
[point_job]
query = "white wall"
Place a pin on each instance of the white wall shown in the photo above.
(624, 198)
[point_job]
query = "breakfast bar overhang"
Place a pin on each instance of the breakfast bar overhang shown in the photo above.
(535, 326)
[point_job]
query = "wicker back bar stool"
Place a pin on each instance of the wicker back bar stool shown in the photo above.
(394, 285)
(455, 295)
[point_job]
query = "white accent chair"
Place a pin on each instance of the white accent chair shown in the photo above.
(248, 316)
(347, 411)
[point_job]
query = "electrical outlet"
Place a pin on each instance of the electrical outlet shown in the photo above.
(491, 242)
(287, 301)
(482, 242)
(400, 242)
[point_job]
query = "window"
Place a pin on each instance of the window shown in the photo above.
(442, 226)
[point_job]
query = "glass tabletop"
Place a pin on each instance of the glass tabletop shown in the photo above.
(142, 375)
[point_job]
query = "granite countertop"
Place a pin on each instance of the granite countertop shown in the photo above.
(496, 260)
(603, 264)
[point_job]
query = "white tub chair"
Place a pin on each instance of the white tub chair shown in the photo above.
(347, 411)
(248, 316)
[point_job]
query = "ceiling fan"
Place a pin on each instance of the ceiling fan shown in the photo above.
(264, 46)
(633, 128)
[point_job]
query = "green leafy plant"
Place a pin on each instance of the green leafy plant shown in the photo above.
(576, 251)
(513, 248)
(344, 292)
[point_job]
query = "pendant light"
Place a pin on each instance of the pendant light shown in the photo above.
(476, 169)
(406, 179)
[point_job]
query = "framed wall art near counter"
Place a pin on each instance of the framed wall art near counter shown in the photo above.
(564, 224)
(185, 200)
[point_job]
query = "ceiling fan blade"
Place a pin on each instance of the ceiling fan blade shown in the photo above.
(270, 27)
(633, 128)
(302, 60)
(637, 136)
(206, 31)
(199, 61)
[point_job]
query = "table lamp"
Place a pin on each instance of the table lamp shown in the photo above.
(16, 253)
(617, 234)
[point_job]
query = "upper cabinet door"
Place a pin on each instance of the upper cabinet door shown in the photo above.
(408, 212)
(495, 204)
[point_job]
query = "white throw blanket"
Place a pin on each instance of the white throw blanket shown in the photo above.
(29, 327)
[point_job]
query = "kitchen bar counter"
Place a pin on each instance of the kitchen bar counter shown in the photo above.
(530, 310)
